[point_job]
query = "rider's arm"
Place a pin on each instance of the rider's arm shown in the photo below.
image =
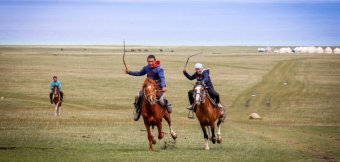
(190, 77)
(59, 85)
(162, 77)
(138, 73)
(51, 86)
(206, 77)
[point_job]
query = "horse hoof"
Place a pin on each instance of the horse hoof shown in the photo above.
(219, 140)
(206, 148)
(174, 136)
(160, 136)
(213, 140)
(154, 141)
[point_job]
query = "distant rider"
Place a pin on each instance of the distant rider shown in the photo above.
(56, 82)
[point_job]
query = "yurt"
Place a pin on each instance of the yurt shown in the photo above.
(328, 50)
(297, 50)
(285, 50)
(311, 49)
(336, 51)
(319, 50)
(268, 49)
(304, 49)
(261, 50)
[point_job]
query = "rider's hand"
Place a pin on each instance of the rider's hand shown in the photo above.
(127, 71)
(164, 89)
(184, 71)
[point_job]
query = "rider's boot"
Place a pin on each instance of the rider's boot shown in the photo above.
(222, 116)
(62, 97)
(51, 98)
(191, 107)
(137, 105)
(168, 106)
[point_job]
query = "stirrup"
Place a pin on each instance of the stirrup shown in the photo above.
(191, 107)
(169, 108)
(136, 116)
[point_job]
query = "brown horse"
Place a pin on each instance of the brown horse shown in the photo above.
(207, 114)
(153, 113)
(56, 100)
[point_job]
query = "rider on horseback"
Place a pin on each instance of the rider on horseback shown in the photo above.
(56, 82)
(202, 74)
(155, 72)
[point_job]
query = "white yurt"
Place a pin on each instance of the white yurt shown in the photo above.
(336, 51)
(261, 50)
(285, 50)
(311, 49)
(304, 49)
(268, 49)
(297, 50)
(328, 50)
(276, 51)
(319, 50)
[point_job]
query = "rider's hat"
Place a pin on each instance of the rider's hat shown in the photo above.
(198, 66)
(55, 77)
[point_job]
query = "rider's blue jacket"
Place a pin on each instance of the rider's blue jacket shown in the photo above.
(57, 83)
(201, 77)
(156, 73)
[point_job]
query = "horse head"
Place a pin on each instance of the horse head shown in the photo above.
(56, 91)
(150, 91)
(199, 92)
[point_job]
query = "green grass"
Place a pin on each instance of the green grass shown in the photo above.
(301, 123)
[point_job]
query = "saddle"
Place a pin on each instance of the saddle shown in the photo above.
(211, 99)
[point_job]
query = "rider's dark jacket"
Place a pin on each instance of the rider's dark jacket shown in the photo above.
(155, 73)
(204, 76)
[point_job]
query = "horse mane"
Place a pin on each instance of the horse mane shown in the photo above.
(147, 81)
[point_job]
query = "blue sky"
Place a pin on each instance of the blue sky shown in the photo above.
(171, 22)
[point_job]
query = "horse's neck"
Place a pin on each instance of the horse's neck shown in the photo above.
(206, 105)
(56, 90)
(150, 108)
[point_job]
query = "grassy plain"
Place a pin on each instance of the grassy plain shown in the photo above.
(298, 96)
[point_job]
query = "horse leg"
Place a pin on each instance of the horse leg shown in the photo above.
(205, 135)
(55, 109)
(213, 137)
(154, 141)
(59, 110)
(168, 120)
(207, 128)
(149, 137)
(159, 127)
(219, 137)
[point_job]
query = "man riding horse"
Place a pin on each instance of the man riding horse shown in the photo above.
(155, 72)
(202, 74)
(56, 82)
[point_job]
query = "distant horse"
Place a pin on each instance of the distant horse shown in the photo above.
(207, 114)
(153, 113)
(56, 100)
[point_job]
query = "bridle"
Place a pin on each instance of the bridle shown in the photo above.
(152, 95)
(56, 91)
(199, 89)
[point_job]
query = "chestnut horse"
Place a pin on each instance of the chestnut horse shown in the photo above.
(153, 113)
(56, 100)
(207, 114)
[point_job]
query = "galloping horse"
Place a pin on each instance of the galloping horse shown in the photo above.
(153, 113)
(56, 100)
(207, 114)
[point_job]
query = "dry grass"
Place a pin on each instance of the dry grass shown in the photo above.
(301, 123)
